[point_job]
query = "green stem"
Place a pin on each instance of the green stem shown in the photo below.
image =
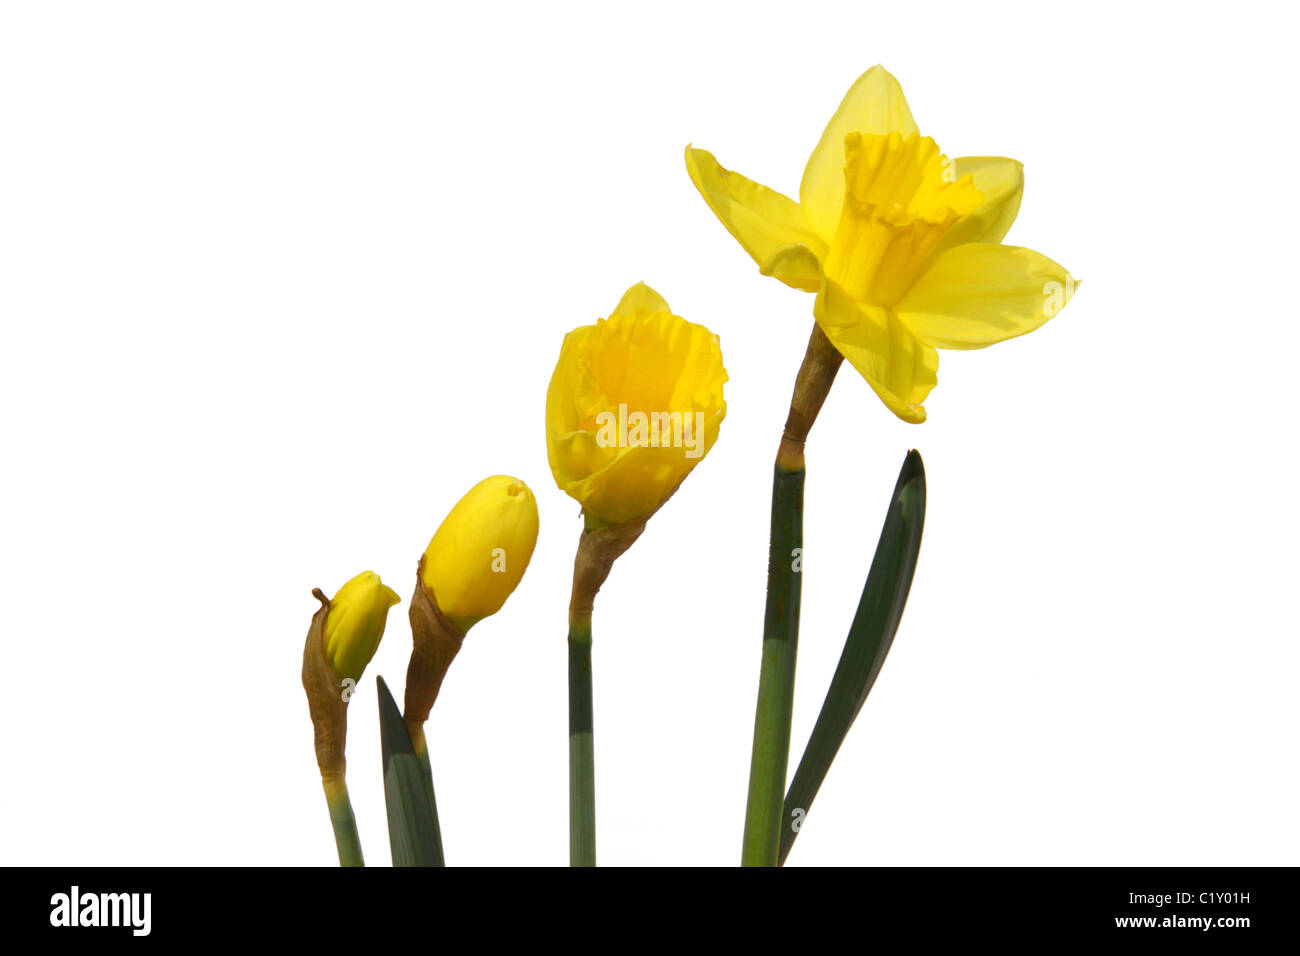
(772, 716)
(771, 751)
(346, 837)
(582, 764)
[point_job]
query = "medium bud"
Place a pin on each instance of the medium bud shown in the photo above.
(481, 550)
(474, 562)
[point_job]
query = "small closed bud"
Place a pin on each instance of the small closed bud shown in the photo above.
(480, 551)
(355, 624)
(343, 636)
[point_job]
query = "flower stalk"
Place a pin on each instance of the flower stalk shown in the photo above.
(643, 362)
(346, 837)
(598, 549)
(773, 711)
(582, 755)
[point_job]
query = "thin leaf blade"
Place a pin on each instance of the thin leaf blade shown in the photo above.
(412, 817)
(880, 609)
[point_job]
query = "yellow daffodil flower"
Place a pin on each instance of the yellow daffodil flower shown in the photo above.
(901, 244)
(355, 623)
(634, 404)
(480, 551)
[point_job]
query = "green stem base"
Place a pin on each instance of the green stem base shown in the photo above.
(342, 819)
(582, 764)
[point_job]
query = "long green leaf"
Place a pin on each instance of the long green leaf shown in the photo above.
(879, 611)
(412, 813)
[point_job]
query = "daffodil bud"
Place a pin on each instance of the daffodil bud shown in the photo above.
(473, 563)
(481, 550)
(343, 637)
(635, 403)
(355, 625)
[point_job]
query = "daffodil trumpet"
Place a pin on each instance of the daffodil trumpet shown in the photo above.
(634, 404)
(341, 640)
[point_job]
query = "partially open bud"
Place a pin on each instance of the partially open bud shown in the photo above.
(474, 562)
(481, 550)
(634, 404)
(343, 637)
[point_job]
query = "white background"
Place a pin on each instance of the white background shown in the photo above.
(279, 282)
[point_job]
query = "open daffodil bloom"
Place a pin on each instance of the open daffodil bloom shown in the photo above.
(901, 244)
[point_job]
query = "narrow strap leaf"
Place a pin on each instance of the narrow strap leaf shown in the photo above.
(879, 611)
(413, 831)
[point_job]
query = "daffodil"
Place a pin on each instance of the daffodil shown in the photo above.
(634, 404)
(481, 550)
(901, 244)
(344, 634)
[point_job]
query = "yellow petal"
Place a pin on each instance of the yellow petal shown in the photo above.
(762, 220)
(896, 364)
(981, 293)
(874, 104)
(1002, 183)
(640, 300)
(796, 266)
(561, 415)
(638, 479)
(577, 454)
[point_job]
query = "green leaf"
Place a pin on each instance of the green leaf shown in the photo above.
(412, 814)
(879, 611)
